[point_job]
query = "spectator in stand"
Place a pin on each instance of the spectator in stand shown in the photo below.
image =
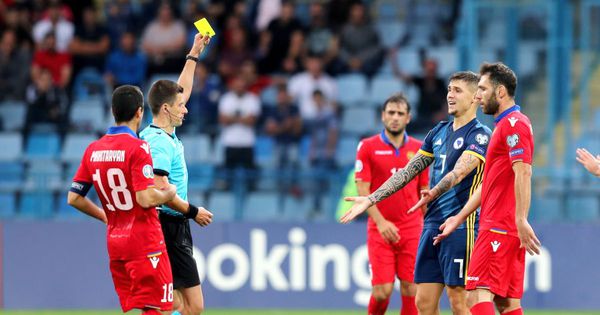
(54, 22)
(46, 102)
(126, 65)
(274, 43)
(320, 39)
(292, 63)
(58, 63)
(256, 82)
(14, 67)
(90, 44)
(203, 103)
(267, 11)
(360, 49)
(234, 53)
(238, 115)
(302, 86)
(432, 105)
(285, 125)
(120, 18)
(21, 27)
(323, 144)
(163, 42)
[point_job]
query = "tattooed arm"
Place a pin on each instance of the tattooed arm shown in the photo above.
(463, 167)
(415, 166)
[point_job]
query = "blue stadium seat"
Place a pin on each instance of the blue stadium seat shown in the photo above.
(89, 83)
(261, 207)
(485, 55)
(8, 205)
(11, 176)
(74, 146)
(390, 33)
(346, 151)
(222, 205)
(409, 61)
(545, 209)
(12, 143)
(64, 211)
(264, 152)
(44, 175)
(197, 198)
(36, 205)
(13, 114)
(583, 208)
(88, 116)
(42, 146)
(197, 148)
(382, 87)
(200, 176)
(296, 209)
(353, 88)
(359, 120)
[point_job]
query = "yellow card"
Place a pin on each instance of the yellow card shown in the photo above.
(204, 28)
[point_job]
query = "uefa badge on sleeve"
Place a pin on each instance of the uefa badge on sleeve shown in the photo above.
(512, 140)
(148, 171)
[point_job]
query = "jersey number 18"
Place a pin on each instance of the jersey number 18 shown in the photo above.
(121, 197)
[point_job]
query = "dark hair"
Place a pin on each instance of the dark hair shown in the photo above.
(396, 98)
(318, 92)
(126, 100)
(469, 77)
(500, 74)
(161, 92)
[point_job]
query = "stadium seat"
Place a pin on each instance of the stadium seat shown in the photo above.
(346, 151)
(11, 176)
(197, 198)
(528, 60)
(42, 146)
(485, 55)
(200, 176)
(447, 60)
(222, 205)
(65, 211)
(89, 83)
(8, 205)
(12, 143)
(545, 209)
(353, 89)
(197, 148)
(409, 61)
(36, 205)
(264, 152)
(44, 175)
(13, 115)
(583, 208)
(390, 33)
(357, 121)
(382, 87)
(296, 209)
(261, 207)
(88, 116)
(74, 146)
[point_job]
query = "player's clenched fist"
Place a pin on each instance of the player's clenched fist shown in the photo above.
(204, 217)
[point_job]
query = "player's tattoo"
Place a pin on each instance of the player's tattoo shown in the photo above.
(415, 166)
(465, 165)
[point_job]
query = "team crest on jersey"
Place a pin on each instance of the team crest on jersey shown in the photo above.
(410, 154)
(358, 166)
(512, 140)
(148, 171)
(482, 139)
(459, 143)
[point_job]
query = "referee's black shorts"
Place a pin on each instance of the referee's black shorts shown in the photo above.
(178, 239)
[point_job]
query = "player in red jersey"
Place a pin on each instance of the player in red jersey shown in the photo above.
(119, 166)
(392, 233)
(497, 267)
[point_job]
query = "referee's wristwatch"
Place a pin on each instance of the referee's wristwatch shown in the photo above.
(190, 57)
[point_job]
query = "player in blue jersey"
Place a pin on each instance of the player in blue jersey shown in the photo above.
(456, 150)
(167, 101)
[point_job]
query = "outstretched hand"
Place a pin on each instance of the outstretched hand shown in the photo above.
(361, 204)
(446, 229)
(427, 196)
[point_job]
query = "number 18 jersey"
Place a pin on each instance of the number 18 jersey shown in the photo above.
(118, 165)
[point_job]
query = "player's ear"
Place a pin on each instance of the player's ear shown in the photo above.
(140, 112)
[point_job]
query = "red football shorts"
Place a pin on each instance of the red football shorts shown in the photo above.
(389, 261)
(144, 282)
(497, 264)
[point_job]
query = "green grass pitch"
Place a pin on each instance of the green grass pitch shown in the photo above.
(268, 312)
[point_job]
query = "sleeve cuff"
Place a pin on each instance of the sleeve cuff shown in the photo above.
(160, 172)
(475, 154)
(425, 153)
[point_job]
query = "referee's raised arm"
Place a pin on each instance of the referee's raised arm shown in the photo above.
(186, 78)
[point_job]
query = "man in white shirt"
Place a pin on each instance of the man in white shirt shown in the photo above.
(238, 114)
(63, 29)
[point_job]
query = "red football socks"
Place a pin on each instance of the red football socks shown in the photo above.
(408, 306)
(378, 307)
(483, 308)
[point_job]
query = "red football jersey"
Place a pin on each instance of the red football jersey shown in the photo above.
(512, 141)
(376, 160)
(118, 165)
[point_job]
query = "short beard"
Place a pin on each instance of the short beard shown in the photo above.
(493, 106)
(394, 133)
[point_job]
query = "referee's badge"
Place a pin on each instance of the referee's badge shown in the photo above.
(459, 143)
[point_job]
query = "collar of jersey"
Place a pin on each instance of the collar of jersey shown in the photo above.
(170, 135)
(120, 129)
(515, 108)
(387, 141)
